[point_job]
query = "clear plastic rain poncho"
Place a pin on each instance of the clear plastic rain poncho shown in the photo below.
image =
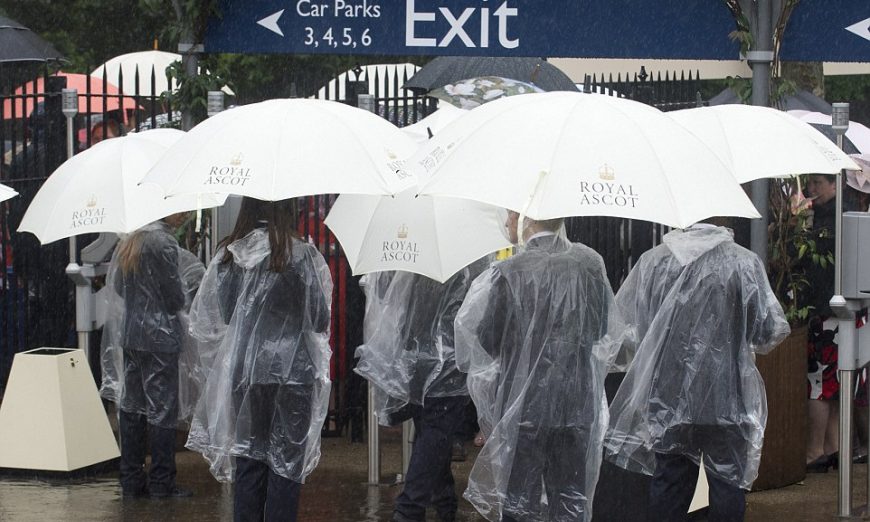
(194, 361)
(144, 312)
(536, 334)
(700, 305)
(268, 390)
(408, 352)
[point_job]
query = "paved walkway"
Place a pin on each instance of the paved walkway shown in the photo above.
(335, 493)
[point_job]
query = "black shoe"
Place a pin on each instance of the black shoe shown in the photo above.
(860, 459)
(173, 492)
(820, 465)
(834, 460)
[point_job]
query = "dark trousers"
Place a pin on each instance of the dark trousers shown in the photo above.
(429, 480)
(149, 405)
(673, 485)
(259, 494)
(161, 475)
(552, 458)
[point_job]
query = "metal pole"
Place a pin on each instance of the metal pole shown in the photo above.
(214, 106)
(374, 443)
(190, 62)
(760, 59)
(84, 309)
(70, 107)
(367, 102)
(840, 124)
(844, 489)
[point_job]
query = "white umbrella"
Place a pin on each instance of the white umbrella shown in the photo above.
(7, 193)
(561, 154)
(146, 62)
(761, 142)
(97, 190)
(432, 236)
(858, 134)
(280, 149)
(428, 126)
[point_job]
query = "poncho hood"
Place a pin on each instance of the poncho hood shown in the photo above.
(690, 244)
(250, 250)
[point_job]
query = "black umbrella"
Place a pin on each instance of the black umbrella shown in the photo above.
(20, 44)
(828, 131)
(451, 69)
(802, 100)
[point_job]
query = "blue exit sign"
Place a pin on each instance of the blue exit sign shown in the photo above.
(589, 28)
(822, 30)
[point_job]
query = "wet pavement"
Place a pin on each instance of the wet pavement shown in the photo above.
(335, 492)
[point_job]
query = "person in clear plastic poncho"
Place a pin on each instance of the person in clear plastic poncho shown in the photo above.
(408, 356)
(700, 306)
(536, 335)
(141, 345)
(266, 295)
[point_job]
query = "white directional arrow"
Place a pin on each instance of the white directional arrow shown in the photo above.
(271, 22)
(862, 28)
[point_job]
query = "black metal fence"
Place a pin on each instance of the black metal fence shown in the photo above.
(36, 298)
(36, 305)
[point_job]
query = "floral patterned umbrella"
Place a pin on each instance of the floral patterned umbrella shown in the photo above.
(473, 92)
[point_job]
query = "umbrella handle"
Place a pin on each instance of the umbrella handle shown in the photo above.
(541, 175)
(198, 226)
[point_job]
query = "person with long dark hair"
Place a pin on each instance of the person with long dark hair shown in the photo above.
(266, 296)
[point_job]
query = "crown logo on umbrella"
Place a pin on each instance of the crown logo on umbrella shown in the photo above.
(92, 201)
(403, 232)
(607, 173)
(236, 160)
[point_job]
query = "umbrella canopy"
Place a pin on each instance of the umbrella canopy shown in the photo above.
(431, 236)
(147, 63)
(857, 133)
(801, 100)
(20, 44)
(98, 190)
(565, 154)
(280, 149)
(860, 179)
(761, 142)
(432, 124)
(7, 193)
(451, 69)
(22, 107)
(474, 92)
